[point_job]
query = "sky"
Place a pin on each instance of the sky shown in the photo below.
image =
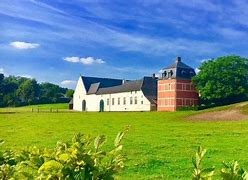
(59, 40)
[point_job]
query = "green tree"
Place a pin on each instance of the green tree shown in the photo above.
(51, 92)
(69, 93)
(223, 80)
(28, 91)
(1, 77)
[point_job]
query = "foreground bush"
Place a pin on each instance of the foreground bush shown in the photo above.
(82, 158)
(230, 171)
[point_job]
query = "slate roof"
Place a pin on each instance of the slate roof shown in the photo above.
(126, 87)
(178, 70)
(103, 83)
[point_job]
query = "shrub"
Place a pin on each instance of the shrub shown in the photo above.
(82, 158)
(230, 171)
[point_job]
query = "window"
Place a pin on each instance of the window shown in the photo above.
(119, 101)
(113, 101)
(135, 100)
(108, 101)
(131, 100)
(141, 102)
(124, 100)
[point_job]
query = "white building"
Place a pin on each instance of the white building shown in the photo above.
(103, 94)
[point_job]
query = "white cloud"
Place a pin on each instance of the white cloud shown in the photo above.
(26, 76)
(1, 70)
(72, 59)
(24, 45)
(68, 82)
(85, 61)
(197, 70)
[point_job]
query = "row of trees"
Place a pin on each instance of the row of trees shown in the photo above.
(17, 91)
(223, 80)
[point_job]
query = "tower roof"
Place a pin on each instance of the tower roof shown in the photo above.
(178, 70)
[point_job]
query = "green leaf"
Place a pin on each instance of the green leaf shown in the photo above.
(99, 140)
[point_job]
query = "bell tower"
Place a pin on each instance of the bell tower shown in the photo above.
(175, 88)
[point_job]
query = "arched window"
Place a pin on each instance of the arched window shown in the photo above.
(101, 106)
(83, 105)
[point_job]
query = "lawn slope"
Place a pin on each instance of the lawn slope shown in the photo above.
(159, 145)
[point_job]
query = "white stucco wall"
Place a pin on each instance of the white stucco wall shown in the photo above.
(79, 95)
(145, 106)
(93, 101)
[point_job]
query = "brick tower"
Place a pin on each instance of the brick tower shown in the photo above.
(175, 88)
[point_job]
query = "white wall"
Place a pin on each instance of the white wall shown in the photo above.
(146, 106)
(79, 95)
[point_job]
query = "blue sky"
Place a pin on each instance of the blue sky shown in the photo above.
(57, 40)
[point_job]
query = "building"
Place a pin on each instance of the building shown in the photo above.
(172, 91)
(104, 94)
(175, 88)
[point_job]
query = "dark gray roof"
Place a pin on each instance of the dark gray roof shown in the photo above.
(178, 70)
(103, 82)
(178, 64)
(126, 87)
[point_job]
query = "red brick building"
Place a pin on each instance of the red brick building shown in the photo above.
(175, 89)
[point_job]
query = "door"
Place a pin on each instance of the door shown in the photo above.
(84, 105)
(101, 106)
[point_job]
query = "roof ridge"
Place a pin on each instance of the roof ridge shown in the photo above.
(99, 77)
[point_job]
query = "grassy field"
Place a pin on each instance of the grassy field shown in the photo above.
(159, 145)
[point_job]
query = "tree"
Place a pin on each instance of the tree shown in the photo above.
(51, 92)
(28, 91)
(1, 77)
(1, 89)
(223, 80)
(69, 93)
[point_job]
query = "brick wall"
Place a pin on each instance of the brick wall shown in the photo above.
(173, 94)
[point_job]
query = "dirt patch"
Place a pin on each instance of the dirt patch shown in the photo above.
(233, 114)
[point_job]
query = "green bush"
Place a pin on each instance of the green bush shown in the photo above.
(82, 158)
(230, 171)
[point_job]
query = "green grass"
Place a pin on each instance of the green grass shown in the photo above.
(159, 145)
(41, 107)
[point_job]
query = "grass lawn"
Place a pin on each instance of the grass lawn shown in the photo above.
(159, 145)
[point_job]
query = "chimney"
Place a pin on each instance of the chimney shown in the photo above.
(178, 59)
(153, 75)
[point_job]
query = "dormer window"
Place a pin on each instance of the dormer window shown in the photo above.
(170, 74)
(164, 74)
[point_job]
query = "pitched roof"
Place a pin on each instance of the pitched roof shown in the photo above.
(103, 82)
(126, 87)
(178, 64)
(178, 70)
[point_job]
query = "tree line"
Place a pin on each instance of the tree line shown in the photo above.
(19, 91)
